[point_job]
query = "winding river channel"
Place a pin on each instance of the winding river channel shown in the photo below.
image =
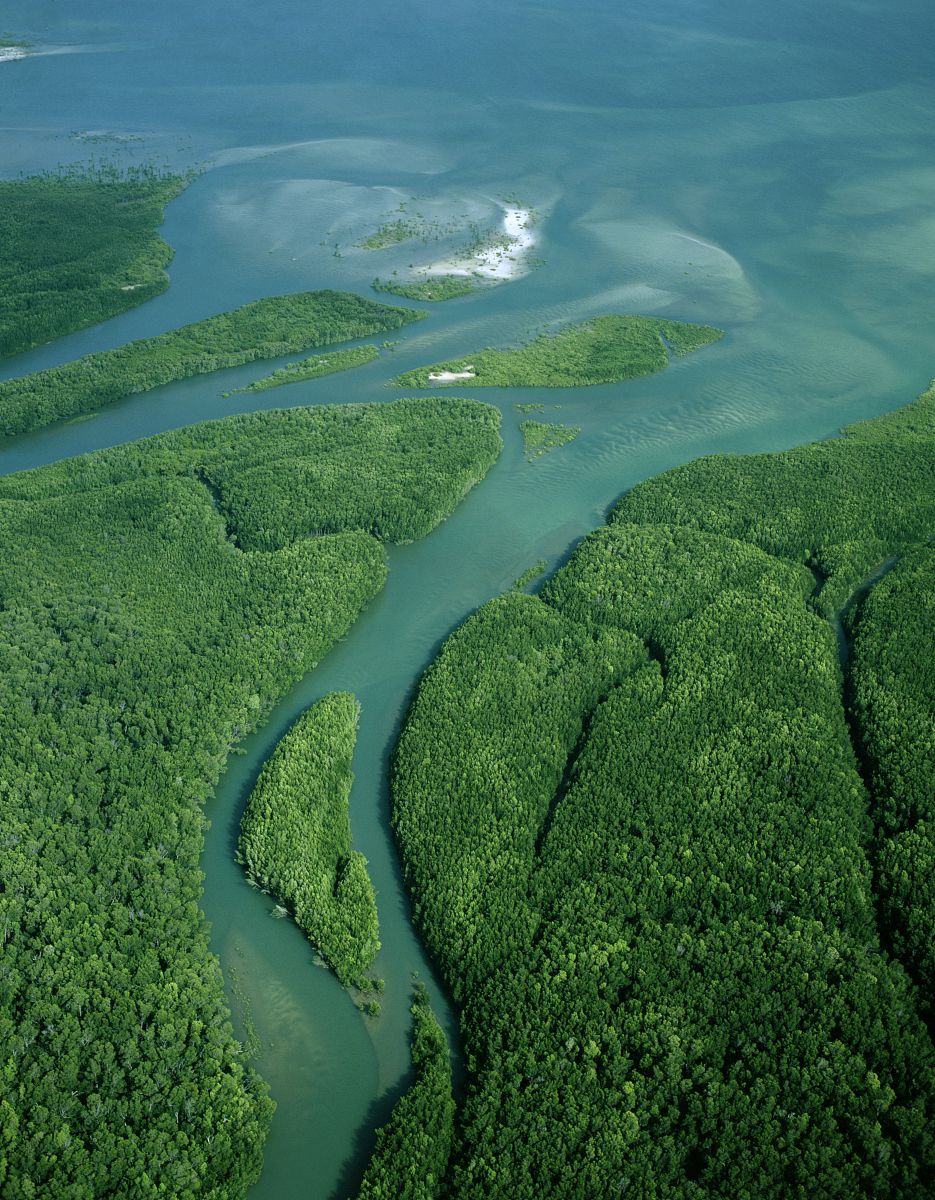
(776, 181)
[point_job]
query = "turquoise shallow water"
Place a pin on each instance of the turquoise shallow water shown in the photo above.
(769, 171)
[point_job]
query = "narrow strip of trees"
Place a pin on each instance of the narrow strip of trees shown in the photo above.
(265, 328)
(413, 1148)
(295, 838)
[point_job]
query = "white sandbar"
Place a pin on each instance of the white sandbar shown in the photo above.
(451, 376)
(505, 259)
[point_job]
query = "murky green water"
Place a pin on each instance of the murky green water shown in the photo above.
(767, 168)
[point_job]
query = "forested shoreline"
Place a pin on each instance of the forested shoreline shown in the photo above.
(670, 870)
(266, 328)
(413, 1148)
(606, 349)
(435, 289)
(315, 367)
(467, 601)
(295, 838)
(79, 246)
(148, 627)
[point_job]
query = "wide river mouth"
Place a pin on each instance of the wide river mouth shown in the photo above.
(770, 177)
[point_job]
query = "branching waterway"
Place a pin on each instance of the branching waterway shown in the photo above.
(333, 1072)
(775, 182)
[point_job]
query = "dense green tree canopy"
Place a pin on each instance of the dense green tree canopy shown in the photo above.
(77, 247)
(295, 837)
(435, 289)
(840, 507)
(264, 329)
(892, 675)
(315, 367)
(394, 469)
(412, 1149)
(634, 821)
(141, 639)
(602, 350)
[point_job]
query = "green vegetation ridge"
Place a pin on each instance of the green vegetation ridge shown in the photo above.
(78, 247)
(434, 289)
(315, 367)
(892, 676)
(394, 469)
(263, 329)
(839, 507)
(295, 838)
(656, 875)
(413, 1148)
(141, 640)
(603, 350)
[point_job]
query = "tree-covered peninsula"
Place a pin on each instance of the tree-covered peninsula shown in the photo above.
(413, 1148)
(264, 328)
(275, 477)
(77, 247)
(603, 350)
(295, 837)
(147, 627)
(669, 841)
